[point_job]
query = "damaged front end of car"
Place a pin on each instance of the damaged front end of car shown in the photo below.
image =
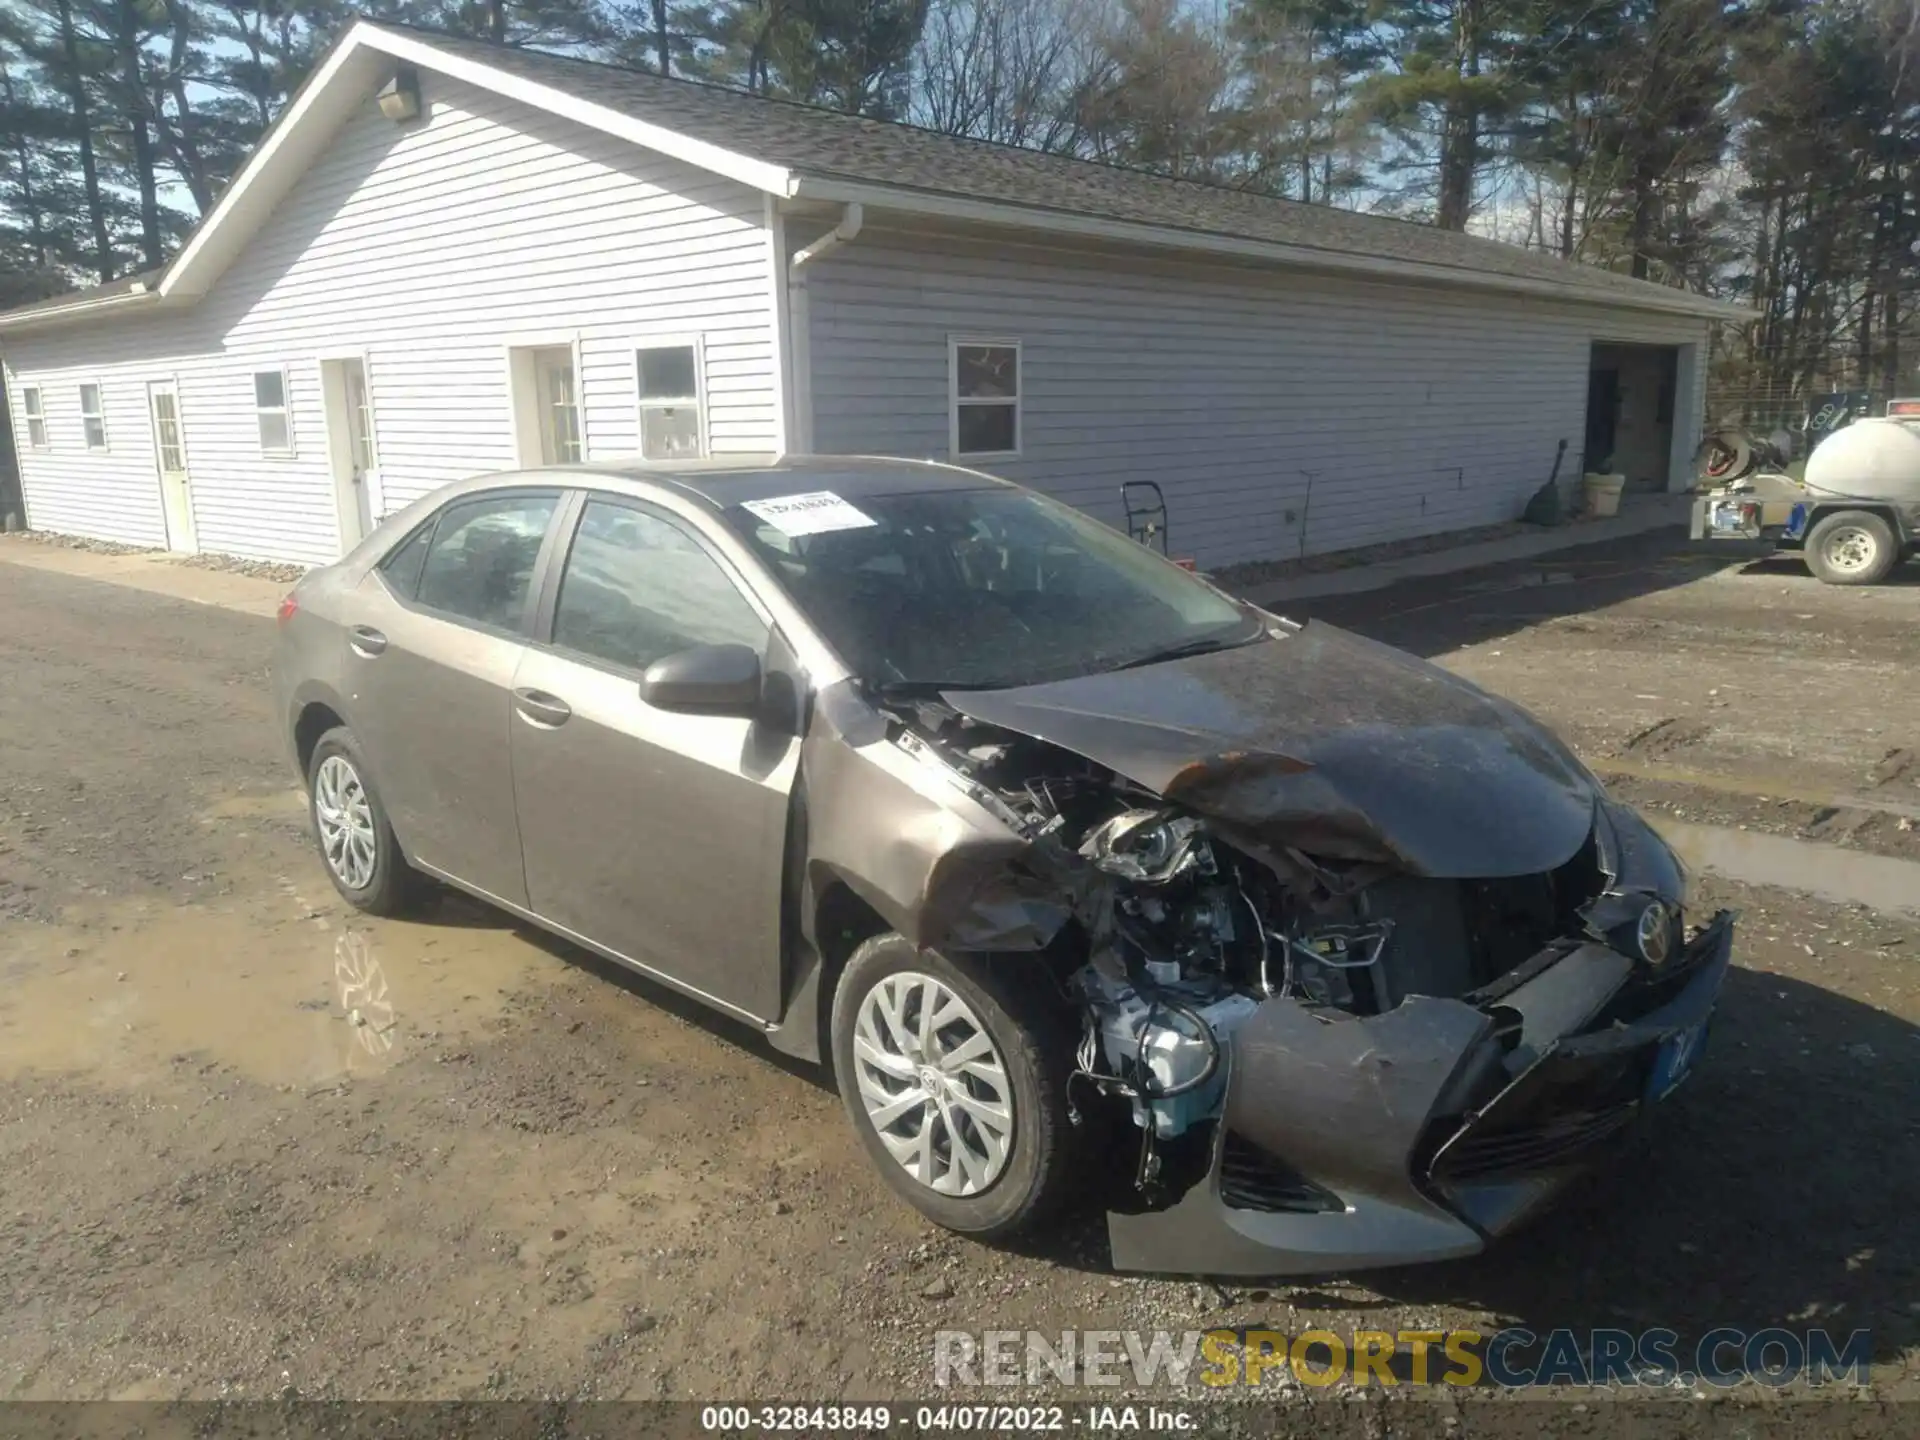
(1370, 993)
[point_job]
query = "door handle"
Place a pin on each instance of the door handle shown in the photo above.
(540, 708)
(366, 640)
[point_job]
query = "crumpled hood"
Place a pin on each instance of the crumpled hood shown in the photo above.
(1329, 742)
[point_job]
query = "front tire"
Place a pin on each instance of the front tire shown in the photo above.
(1852, 547)
(954, 1072)
(356, 842)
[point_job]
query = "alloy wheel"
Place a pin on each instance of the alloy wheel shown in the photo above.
(933, 1084)
(344, 816)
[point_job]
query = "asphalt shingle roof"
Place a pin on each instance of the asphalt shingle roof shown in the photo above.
(825, 145)
(125, 285)
(829, 145)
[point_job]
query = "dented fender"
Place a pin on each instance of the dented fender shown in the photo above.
(917, 842)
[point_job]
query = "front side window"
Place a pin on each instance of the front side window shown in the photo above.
(479, 564)
(35, 409)
(638, 588)
(273, 412)
(93, 417)
(984, 379)
(981, 588)
(670, 427)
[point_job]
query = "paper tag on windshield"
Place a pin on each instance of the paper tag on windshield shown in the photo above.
(814, 513)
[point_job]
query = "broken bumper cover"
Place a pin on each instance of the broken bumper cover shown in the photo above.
(1423, 1133)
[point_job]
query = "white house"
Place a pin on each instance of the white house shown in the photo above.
(450, 257)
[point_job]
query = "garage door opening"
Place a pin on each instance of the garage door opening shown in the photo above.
(1630, 408)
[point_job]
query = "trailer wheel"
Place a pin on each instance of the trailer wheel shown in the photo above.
(1852, 547)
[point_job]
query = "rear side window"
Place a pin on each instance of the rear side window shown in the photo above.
(638, 588)
(479, 564)
(403, 563)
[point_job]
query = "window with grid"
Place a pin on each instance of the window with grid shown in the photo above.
(35, 409)
(93, 417)
(166, 432)
(984, 381)
(670, 409)
(273, 412)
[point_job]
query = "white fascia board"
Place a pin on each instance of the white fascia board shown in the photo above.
(273, 168)
(758, 174)
(342, 82)
(82, 308)
(989, 212)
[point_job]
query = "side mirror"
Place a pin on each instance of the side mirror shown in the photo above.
(710, 679)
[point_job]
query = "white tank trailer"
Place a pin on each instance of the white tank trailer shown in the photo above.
(1855, 514)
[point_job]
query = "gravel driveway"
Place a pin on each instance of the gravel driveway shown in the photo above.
(253, 1144)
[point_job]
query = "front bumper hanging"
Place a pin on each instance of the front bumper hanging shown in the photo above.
(1422, 1133)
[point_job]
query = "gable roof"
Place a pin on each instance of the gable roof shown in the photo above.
(794, 151)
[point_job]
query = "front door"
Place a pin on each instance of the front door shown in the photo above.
(350, 438)
(170, 458)
(559, 409)
(660, 836)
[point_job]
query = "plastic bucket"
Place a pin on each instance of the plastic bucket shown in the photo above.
(1603, 493)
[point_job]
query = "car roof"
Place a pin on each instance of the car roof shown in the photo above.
(723, 482)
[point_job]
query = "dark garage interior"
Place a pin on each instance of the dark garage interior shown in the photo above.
(1630, 408)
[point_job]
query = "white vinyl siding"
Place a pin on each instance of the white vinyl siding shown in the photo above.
(424, 248)
(1408, 410)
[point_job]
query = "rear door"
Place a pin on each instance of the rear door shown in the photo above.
(442, 629)
(660, 836)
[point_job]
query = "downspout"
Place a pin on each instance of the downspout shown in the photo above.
(799, 317)
(851, 219)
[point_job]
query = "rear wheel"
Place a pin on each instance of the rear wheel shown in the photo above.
(954, 1073)
(1852, 547)
(356, 841)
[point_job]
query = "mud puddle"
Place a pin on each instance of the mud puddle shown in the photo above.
(1848, 877)
(131, 992)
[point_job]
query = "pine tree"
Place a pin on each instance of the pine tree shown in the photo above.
(1302, 61)
(1448, 90)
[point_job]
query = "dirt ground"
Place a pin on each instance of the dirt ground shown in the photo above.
(254, 1145)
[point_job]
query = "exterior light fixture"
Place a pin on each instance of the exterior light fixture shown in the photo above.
(400, 96)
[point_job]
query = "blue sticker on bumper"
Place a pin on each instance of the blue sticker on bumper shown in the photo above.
(1675, 1061)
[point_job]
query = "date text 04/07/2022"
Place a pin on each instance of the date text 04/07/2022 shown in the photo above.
(989, 1419)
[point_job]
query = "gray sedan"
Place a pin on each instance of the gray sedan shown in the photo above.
(1034, 836)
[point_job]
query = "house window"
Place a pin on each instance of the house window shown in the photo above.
(984, 385)
(271, 410)
(36, 414)
(93, 417)
(670, 409)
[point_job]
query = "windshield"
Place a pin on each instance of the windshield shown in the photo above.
(981, 589)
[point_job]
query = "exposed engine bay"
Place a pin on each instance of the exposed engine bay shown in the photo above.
(1186, 925)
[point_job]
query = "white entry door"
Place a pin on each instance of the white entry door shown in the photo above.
(170, 457)
(350, 437)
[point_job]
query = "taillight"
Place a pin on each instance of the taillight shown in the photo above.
(288, 605)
